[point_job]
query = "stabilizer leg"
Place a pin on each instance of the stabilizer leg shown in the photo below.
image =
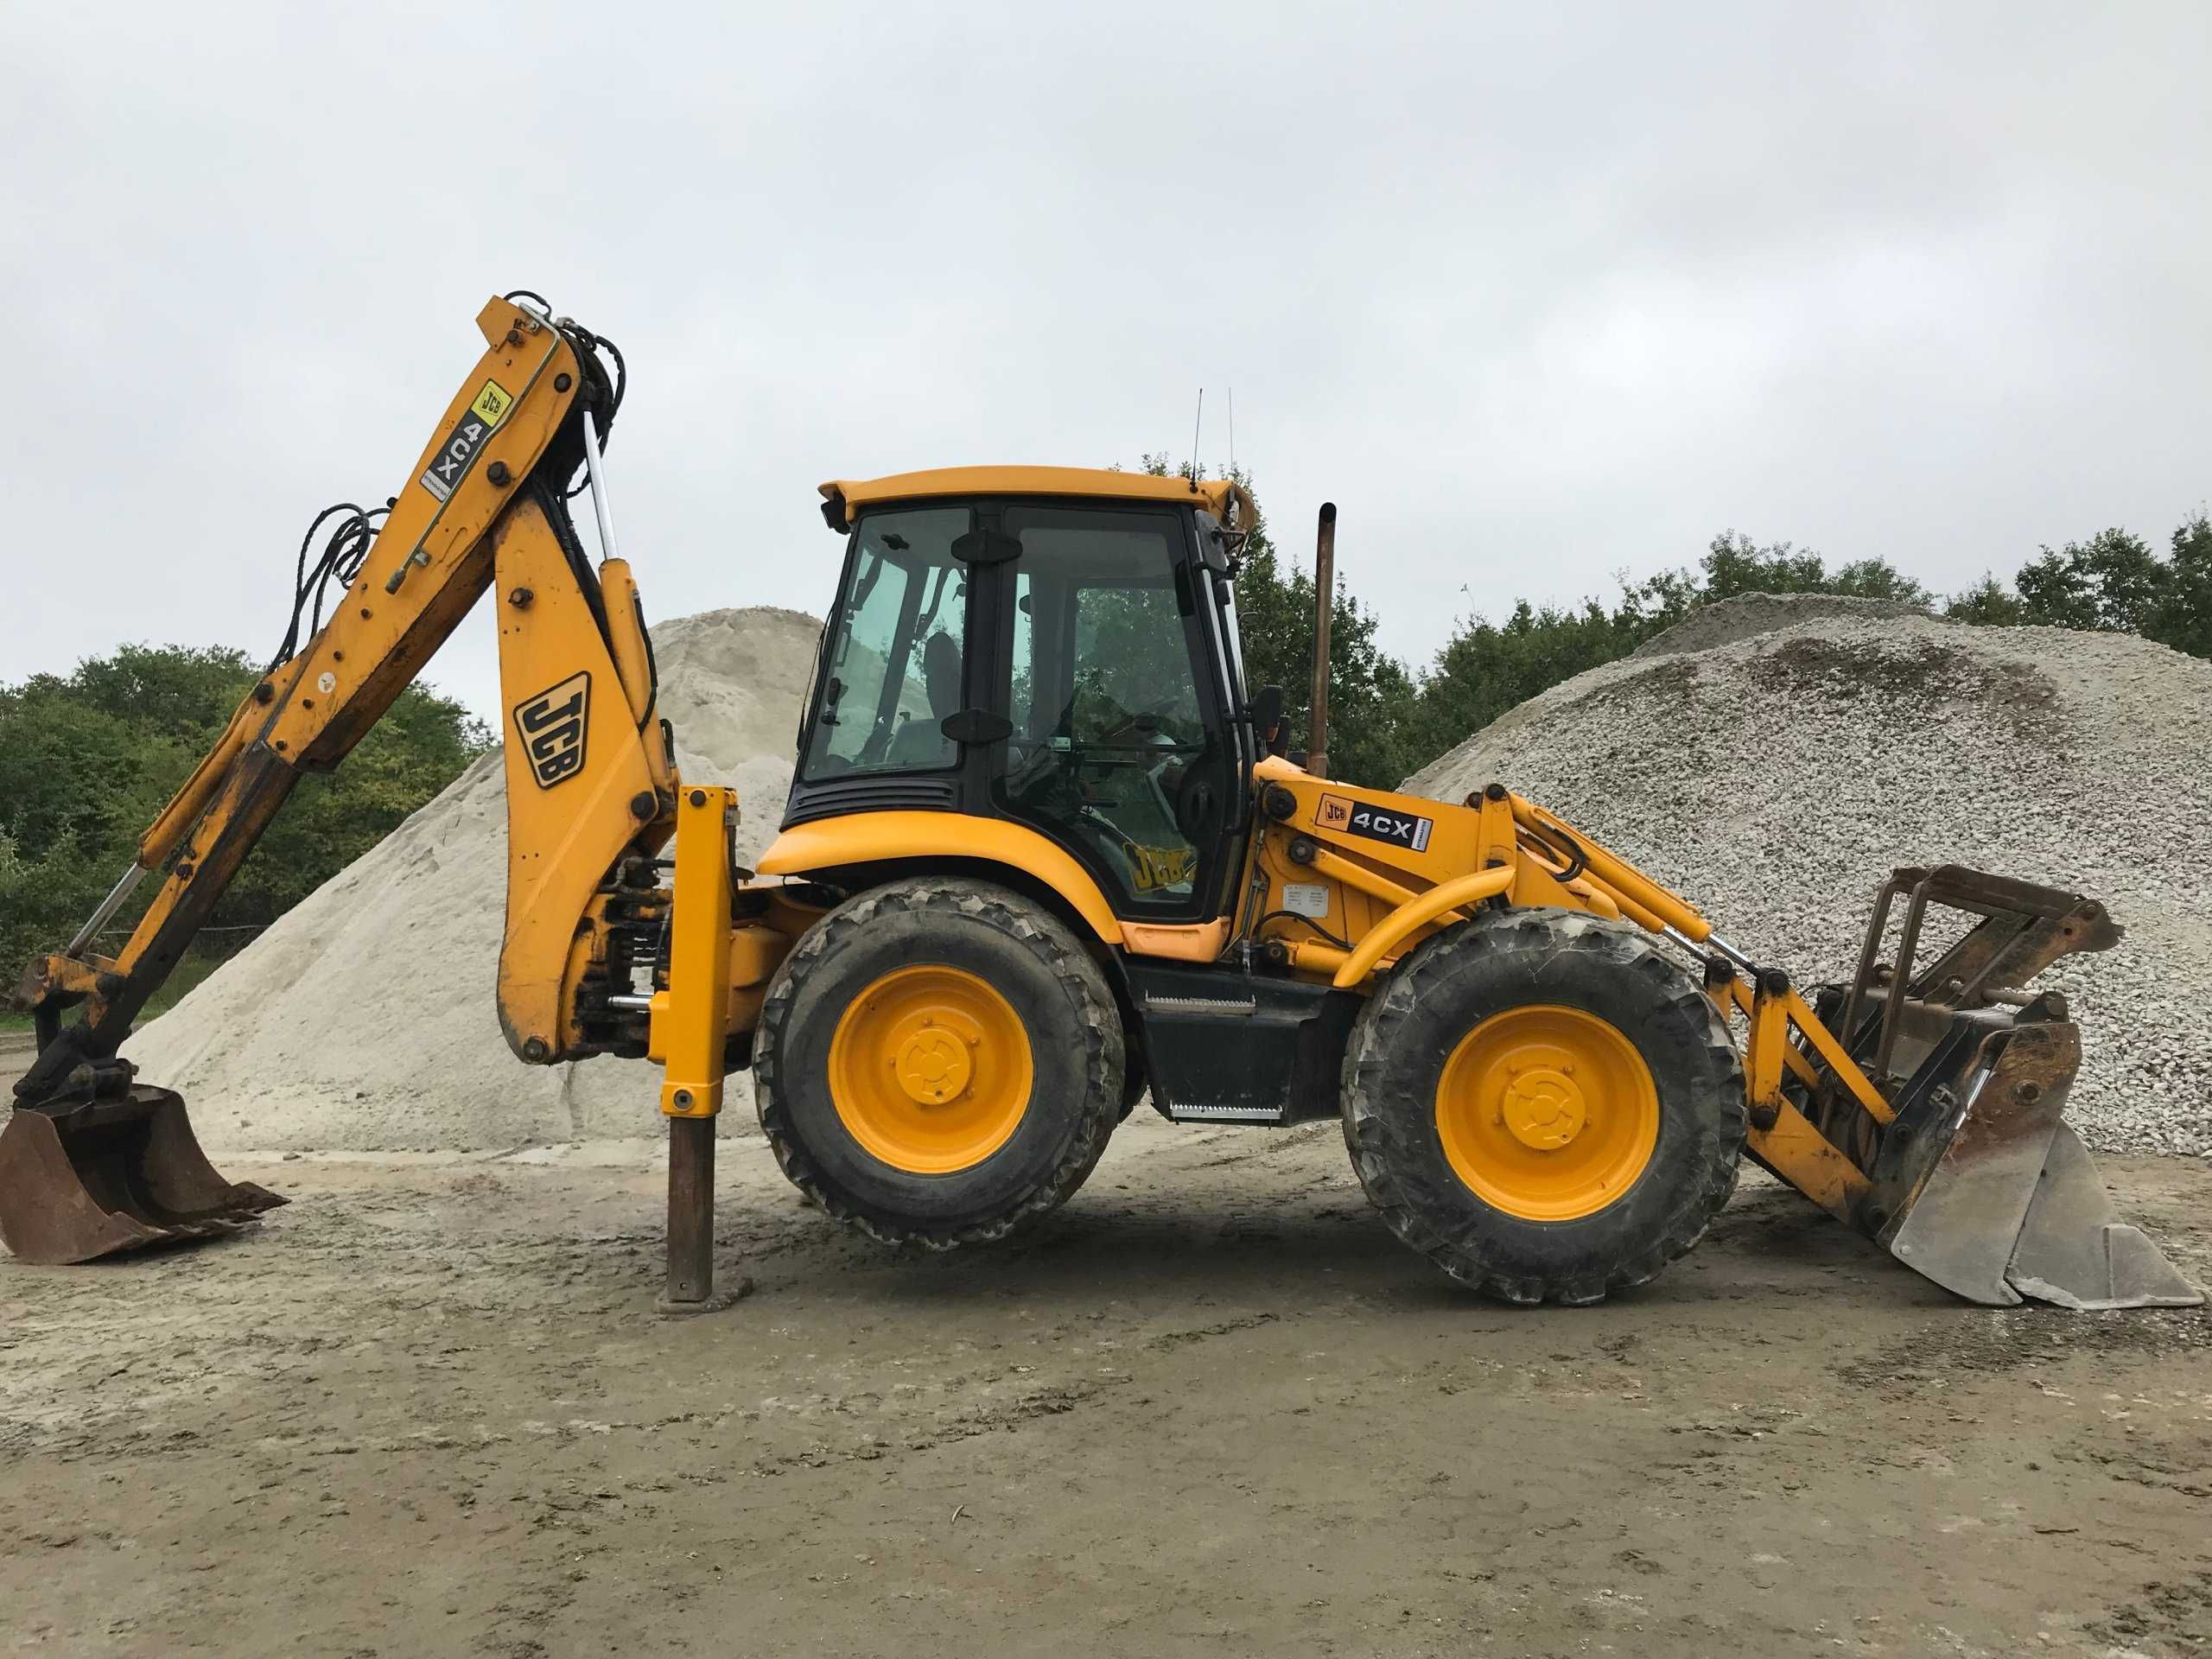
(690, 1216)
(690, 1030)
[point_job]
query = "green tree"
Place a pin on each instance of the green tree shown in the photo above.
(2114, 582)
(2183, 619)
(1386, 720)
(1988, 601)
(2111, 582)
(1485, 668)
(86, 759)
(1734, 565)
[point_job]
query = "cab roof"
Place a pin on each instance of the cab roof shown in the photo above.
(843, 497)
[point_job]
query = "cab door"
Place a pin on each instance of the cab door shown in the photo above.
(1118, 744)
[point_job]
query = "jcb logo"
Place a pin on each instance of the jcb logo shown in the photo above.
(551, 726)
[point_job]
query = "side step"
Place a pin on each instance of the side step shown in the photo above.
(1225, 1046)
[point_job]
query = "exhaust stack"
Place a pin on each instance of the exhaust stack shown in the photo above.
(1325, 594)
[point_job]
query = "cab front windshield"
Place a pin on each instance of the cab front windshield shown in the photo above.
(894, 666)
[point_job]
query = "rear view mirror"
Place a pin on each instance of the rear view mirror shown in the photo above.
(1266, 712)
(1213, 546)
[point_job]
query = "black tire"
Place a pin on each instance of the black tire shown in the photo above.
(1055, 989)
(1397, 1054)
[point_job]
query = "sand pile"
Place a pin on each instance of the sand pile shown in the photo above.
(1774, 780)
(364, 1020)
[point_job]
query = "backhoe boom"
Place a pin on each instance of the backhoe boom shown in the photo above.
(590, 775)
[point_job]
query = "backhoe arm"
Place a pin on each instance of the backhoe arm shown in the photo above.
(589, 778)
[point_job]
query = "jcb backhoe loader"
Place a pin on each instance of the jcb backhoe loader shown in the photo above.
(1044, 856)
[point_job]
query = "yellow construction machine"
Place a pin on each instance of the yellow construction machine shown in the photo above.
(1044, 855)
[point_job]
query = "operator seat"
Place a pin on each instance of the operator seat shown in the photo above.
(923, 742)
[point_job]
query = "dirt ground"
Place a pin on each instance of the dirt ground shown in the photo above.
(1209, 1408)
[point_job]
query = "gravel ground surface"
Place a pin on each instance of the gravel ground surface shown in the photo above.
(1209, 1408)
(1775, 780)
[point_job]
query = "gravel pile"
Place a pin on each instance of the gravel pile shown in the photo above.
(364, 1020)
(1774, 780)
(1748, 614)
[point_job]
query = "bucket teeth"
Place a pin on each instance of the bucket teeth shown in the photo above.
(112, 1175)
(2073, 1249)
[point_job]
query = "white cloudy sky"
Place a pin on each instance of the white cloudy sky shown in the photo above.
(1535, 292)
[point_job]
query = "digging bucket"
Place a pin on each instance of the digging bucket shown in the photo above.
(1979, 1185)
(86, 1179)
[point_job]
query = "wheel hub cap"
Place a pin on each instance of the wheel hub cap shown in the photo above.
(930, 1069)
(1547, 1112)
(932, 1066)
(1542, 1107)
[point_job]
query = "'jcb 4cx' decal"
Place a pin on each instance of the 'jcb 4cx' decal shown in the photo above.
(450, 465)
(1376, 822)
(551, 728)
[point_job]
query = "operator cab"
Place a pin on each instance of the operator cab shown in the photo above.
(1049, 646)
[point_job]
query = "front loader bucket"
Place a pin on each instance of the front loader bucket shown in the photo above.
(90, 1179)
(2001, 1202)
(1978, 1184)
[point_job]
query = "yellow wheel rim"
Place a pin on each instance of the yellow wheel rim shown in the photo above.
(929, 1070)
(1546, 1113)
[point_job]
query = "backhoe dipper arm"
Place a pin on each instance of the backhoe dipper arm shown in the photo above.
(588, 774)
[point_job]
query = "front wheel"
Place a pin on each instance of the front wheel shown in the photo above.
(939, 1061)
(1544, 1105)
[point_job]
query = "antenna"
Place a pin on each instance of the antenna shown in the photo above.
(1198, 425)
(1232, 431)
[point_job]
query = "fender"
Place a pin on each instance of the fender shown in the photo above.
(884, 837)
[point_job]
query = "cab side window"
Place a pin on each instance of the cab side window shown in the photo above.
(1109, 745)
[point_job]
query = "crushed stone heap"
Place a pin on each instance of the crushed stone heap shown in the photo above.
(1727, 621)
(1774, 779)
(364, 1020)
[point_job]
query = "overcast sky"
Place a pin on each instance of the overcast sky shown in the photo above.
(1535, 293)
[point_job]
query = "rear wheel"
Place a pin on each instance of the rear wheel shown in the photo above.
(939, 1061)
(1544, 1105)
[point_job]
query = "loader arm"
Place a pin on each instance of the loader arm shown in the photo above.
(1920, 1105)
(590, 783)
